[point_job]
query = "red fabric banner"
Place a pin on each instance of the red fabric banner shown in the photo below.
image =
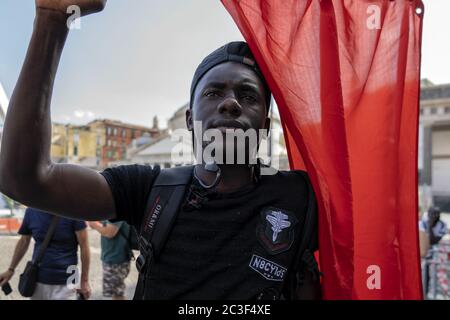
(346, 78)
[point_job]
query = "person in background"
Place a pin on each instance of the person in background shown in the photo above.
(432, 226)
(431, 230)
(116, 256)
(60, 254)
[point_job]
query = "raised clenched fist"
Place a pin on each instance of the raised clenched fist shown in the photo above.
(86, 6)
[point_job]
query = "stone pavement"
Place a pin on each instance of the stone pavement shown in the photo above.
(7, 245)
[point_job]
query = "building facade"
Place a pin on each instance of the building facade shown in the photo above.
(96, 144)
(59, 145)
(434, 142)
(115, 137)
(83, 143)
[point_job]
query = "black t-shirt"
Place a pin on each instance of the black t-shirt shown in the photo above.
(234, 247)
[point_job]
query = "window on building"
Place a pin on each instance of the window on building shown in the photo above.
(108, 131)
(115, 131)
(75, 151)
(421, 111)
(124, 133)
(433, 111)
(76, 136)
(108, 154)
(133, 134)
(447, 110)
(166, 165)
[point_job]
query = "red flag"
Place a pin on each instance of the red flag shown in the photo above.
(345, 75)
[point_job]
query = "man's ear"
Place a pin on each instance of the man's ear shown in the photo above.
(189, 121)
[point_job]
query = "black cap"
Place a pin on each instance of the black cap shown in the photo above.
(434, 210)
(237, 51)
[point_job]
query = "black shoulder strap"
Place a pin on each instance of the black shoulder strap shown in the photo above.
(163, 204)
(48, 237)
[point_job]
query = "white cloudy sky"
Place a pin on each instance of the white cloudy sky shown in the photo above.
(136, 59)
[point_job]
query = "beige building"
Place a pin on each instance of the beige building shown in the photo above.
(83, 144)
(75, 144)
(97, 144)
(58, 149)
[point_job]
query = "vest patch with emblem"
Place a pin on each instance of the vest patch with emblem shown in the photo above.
(275, 231)
(268, 269)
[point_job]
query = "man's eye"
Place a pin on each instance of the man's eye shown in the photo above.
(211, 94)
(249, 98)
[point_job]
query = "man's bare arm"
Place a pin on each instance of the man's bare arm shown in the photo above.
(109, 231)
(85, 256)
(19, 251)
(27, 173)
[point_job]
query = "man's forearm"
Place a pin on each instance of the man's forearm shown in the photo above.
(27, 131)
(85, 263)
(19, 252)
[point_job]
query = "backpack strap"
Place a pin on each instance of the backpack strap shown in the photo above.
(165, 199)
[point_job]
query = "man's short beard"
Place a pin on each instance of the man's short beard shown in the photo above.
(232, 147)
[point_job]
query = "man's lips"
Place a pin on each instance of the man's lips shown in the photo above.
(225, 129)
(224, 125)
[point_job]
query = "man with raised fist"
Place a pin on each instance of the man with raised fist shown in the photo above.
(238, 234)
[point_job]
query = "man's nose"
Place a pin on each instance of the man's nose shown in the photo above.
(230, 105)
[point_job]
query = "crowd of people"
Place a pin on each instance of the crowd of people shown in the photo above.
(55, 279)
